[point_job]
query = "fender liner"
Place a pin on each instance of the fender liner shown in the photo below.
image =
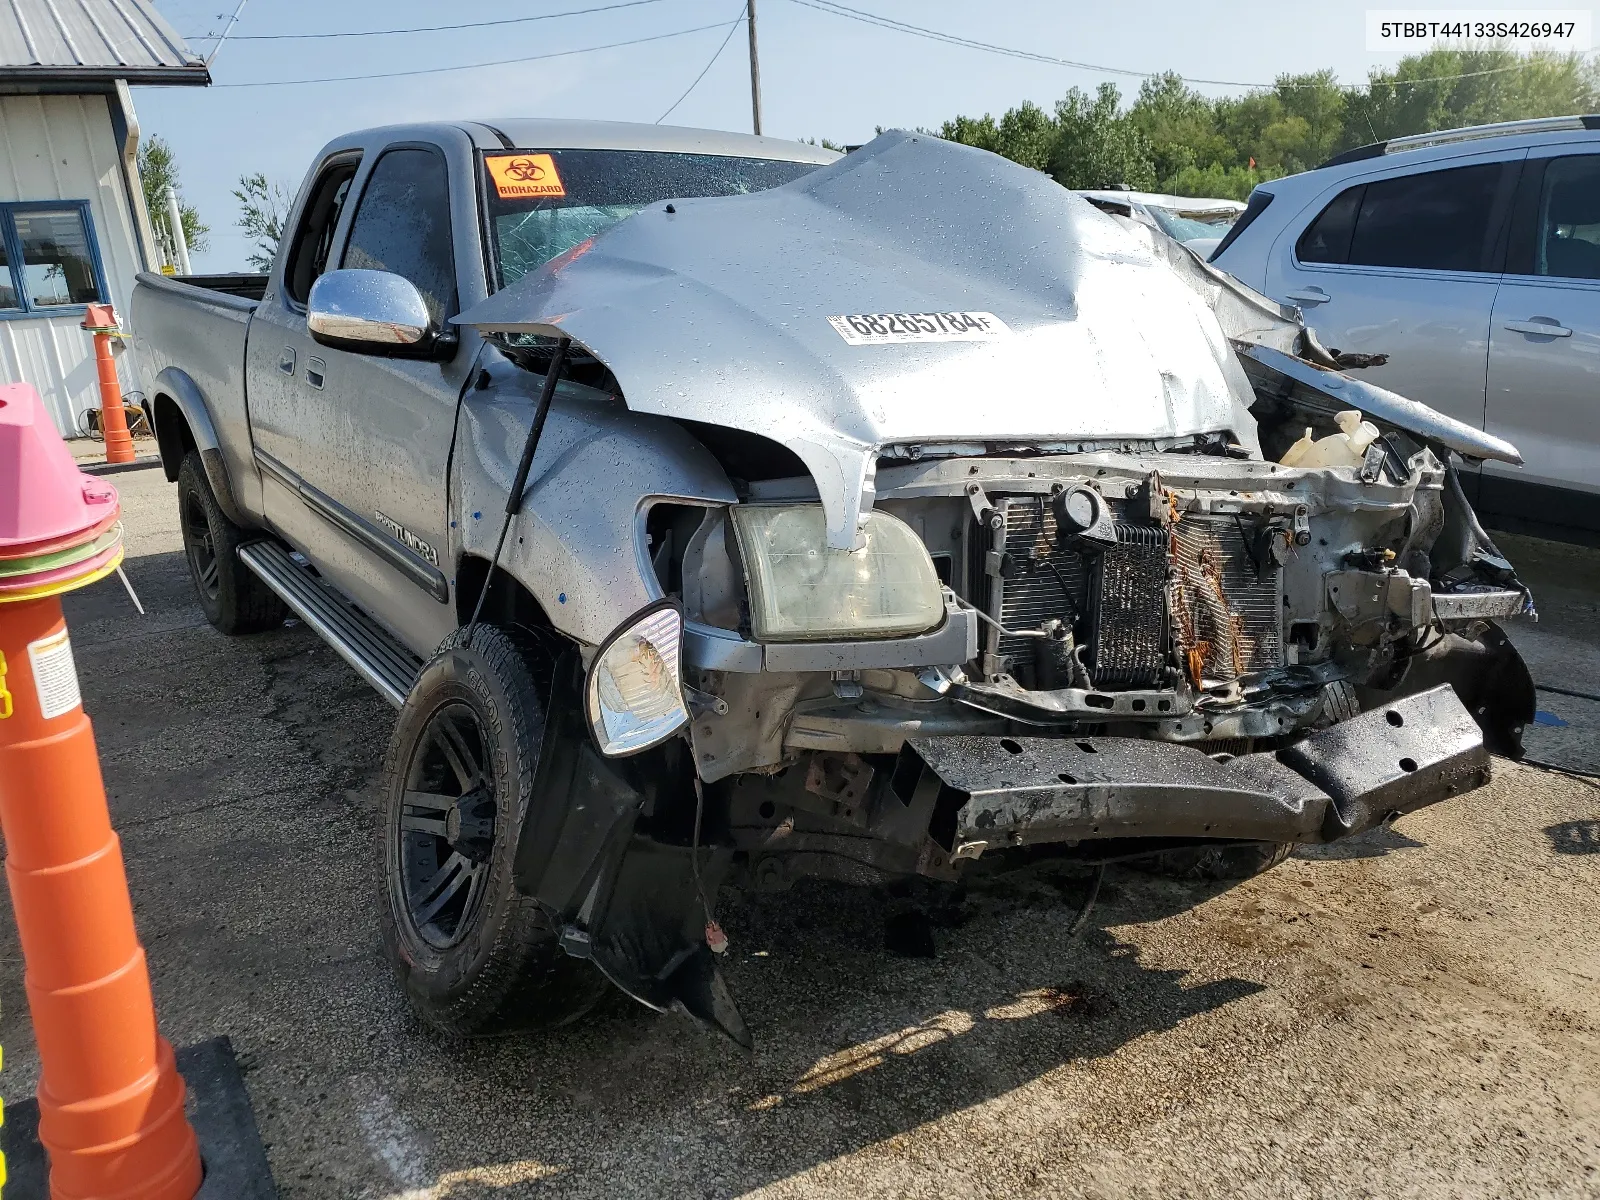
(621, 898)
(173, 384)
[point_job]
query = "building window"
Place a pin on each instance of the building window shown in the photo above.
(48, 258)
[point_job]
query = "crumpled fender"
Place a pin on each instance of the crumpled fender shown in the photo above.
(576, 546)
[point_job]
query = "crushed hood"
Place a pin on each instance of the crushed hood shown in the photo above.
(717, 310)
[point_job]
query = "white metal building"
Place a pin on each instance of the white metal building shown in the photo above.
(73, 226)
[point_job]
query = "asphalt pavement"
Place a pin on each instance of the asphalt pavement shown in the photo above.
(1409, 1013)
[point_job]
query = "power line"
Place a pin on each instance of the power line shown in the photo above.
(499, 62)
(360, 33)
(856, 14)
(732, 29)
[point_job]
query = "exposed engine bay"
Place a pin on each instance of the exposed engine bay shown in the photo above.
(1196, 598)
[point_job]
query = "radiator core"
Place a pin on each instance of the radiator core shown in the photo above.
(1195, 580)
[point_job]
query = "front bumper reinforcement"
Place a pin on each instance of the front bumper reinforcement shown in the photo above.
(996, 792)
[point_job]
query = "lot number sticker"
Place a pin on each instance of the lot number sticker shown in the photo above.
(882, 329)
(55, 675)
(525, 176)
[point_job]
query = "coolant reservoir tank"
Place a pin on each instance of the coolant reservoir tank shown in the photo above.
(1344, 449)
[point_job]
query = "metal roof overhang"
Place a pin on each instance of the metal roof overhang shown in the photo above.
(30, 81)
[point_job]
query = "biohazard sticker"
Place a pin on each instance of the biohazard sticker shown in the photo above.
(525, 176)
(54, 675)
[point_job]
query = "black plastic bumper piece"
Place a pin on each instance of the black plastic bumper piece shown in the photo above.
(219, 1108)
(999, 792)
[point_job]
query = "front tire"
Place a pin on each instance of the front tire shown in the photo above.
(474, 955)
(1212, 863)
(234, 600)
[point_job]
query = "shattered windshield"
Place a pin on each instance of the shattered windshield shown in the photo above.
(542, 203)
(1181, 226)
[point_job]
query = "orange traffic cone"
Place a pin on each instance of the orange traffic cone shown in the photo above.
(110, 1096)
(101, 320)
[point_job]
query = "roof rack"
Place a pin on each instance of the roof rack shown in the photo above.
(1444, 137)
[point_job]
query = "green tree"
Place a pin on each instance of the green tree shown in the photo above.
(1180, 124)
(1445, 89)
(158, 170)
(263, 213)
(1177, 140)
(1098, 146)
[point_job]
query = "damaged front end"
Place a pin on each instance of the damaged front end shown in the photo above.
(1133, 651)
(925, 633)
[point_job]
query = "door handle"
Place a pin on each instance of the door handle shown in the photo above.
(316, 372)
(1540, 327)
(286, 360)
(1311, 295)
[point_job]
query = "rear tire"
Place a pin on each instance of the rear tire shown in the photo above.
(474, 955)
(234, 600)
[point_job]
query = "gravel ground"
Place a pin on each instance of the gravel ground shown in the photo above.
(1408, 1014)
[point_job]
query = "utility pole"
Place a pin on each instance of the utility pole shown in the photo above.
(180, 243)
(232, 21)
(755, 67)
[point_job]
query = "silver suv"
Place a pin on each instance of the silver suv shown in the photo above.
(1471, 258)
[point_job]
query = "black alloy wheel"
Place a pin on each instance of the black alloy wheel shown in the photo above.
(474, 954)
(199, 546)
(234, 600)
(447, 826)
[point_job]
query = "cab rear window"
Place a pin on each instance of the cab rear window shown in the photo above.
(542, 203)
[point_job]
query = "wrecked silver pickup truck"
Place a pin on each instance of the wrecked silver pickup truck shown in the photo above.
(767, 517)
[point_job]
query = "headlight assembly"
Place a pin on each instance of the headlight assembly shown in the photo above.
(634, 693)
(800, 590)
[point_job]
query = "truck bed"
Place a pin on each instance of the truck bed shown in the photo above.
(198, 326)
(246, 286)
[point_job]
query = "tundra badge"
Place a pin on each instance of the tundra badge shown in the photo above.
(407, 539)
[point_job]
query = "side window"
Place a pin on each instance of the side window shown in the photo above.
(1568, 240)
(402, 224)
(313, 241)
(1327, 239)
(1433, 221)
(47, 258)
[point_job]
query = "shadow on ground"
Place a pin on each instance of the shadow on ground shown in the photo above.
(1373, 843)
(1574, 837)
(850, 1038)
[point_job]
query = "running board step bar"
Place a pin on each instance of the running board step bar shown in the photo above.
(360, 641)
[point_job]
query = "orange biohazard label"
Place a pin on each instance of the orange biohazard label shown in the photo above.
(524, 176)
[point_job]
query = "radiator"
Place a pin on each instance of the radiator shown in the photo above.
(1128, 636)
(1195, 581)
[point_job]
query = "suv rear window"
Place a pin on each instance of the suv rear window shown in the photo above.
(542, 203)
(1432, 221)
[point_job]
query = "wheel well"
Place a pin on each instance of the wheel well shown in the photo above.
(508, 604)
(511, 607)
(174, 439)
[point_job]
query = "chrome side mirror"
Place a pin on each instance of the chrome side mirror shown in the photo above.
(374, 312)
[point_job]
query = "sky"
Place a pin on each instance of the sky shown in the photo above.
(822, 75)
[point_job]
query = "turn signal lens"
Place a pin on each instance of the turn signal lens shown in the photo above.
(634, 693)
